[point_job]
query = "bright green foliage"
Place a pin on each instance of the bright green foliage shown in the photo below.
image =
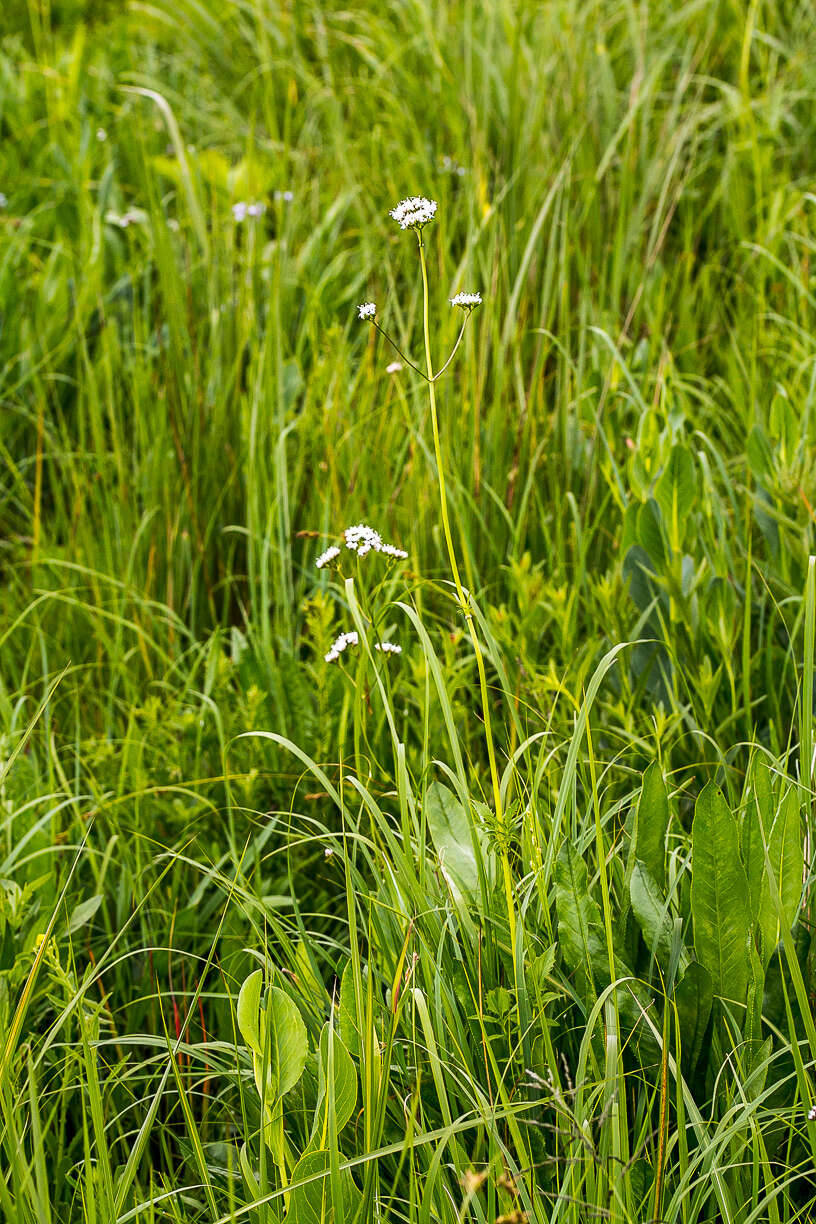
(596, 1003)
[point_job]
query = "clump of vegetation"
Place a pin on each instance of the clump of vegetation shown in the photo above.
(457, 865)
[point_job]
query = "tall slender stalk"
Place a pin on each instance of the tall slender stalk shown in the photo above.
(464, 602)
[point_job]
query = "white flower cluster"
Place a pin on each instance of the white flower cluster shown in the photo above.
(466, 300)
(328, 556)
(340, 644)
(367, 310)
(413, 212)
(812, 1114)
(353, 639)
(361, 539)
(242, 210)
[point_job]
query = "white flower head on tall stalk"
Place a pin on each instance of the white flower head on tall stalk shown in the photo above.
(367, 310)
(328, 556)
(340, 644)
(466, 301)
(414, 212)
(362, 539)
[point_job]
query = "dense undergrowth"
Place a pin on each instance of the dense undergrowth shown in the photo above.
(593, 998)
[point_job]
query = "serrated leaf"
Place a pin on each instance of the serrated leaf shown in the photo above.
(719, 896)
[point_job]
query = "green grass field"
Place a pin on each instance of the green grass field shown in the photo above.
(514, 926)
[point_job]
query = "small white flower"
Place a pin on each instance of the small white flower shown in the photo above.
(362, 539)
(394, 367)
(340, 644)
(134, 216)
(242, 210)
(467, 301)
(388, 647)
(367, 310)
(328, 852)
(286, 196)
(391, 550)
(812, 1114)
(452, 166)
(101, 135)
(328, 556)
(414, 212)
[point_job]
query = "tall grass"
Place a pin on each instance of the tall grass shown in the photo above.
(190, 412)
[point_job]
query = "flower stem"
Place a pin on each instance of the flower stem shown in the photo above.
(397, 348)
(464, 603)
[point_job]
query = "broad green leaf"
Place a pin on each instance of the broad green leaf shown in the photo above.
(675, 491)
(82, 914)
(650, 533)
(351, 1029)
(343, 1095)
(276, 1033)
(786, 853)
(248, 1010)
(312, 1203)
(580, 928)
(353, 1026)
(455, 840)
(652, 823)
(756, 826)
(651, 909)
(288, 1044)
(693, 997)
(719, 896)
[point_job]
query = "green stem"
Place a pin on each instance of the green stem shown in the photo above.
(464, 603)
